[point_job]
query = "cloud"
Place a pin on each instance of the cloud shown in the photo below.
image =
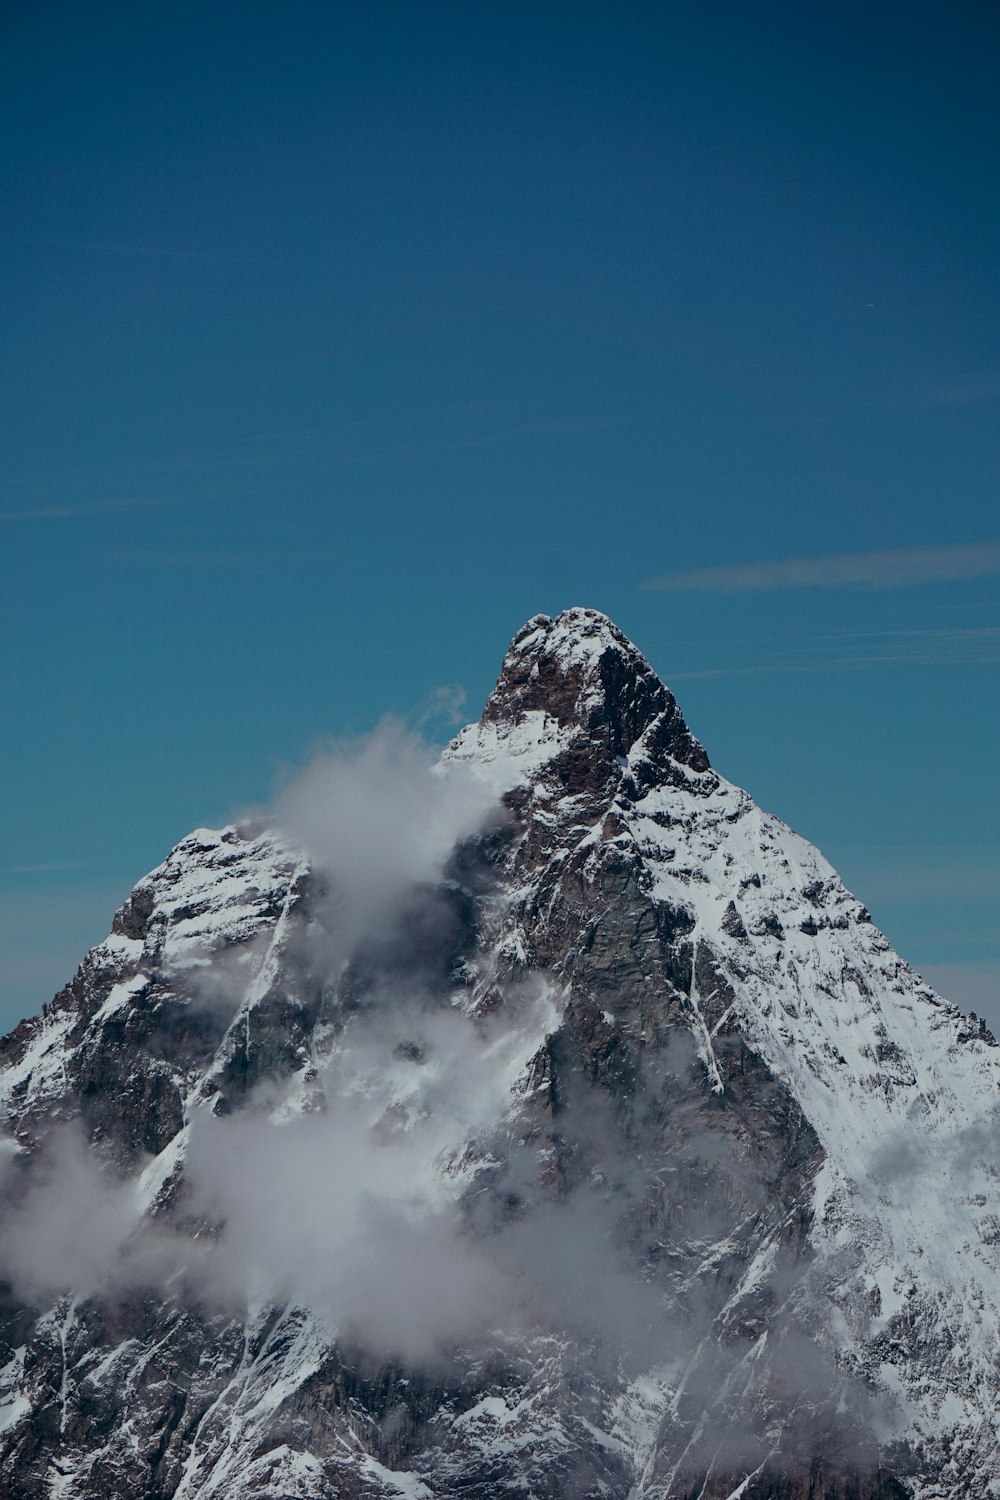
(171, 252)
(55, 867)
(893, 568)
(71, 1220)
(378, 818)
(444, 704)
(956, 1166)
(402, 1208)
(354, 1207)
(84, 508)
(862, 651)
(399, 1208)
(964, 391)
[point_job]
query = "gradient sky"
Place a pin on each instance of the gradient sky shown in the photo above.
(339, 339)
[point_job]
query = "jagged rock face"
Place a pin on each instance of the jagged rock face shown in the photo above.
(720, 1159)
(581, 673)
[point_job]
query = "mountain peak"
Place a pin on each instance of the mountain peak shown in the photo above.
(583, 672)
(622, 1155)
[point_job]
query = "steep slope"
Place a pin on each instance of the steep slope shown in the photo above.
(691, 1178)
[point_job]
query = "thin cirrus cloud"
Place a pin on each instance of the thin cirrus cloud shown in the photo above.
(853, 650)
(969, 391)
(893, 568)
(86, 508)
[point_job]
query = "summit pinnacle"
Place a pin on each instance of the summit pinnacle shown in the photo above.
(579, 676)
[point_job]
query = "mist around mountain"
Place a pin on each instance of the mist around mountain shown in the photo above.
(543, 1119)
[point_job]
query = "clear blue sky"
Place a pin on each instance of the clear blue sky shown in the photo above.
(339, 339)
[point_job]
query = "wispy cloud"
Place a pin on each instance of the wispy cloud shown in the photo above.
(962, 391)
(893, 568)
(263, 559)
(255, 468)
(167, 252)
(849, 651)
(408, 435)
(84, 508)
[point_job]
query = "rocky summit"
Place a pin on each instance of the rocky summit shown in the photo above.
(609, 1152)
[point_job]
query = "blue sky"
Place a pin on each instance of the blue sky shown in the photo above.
(338, 340)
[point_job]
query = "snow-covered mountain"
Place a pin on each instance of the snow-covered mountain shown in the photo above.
(619, 1155)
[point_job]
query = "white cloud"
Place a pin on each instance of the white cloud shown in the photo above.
(86, 508)
(966, 390)
(72, 1223)
(378, 818)
(892, 568)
